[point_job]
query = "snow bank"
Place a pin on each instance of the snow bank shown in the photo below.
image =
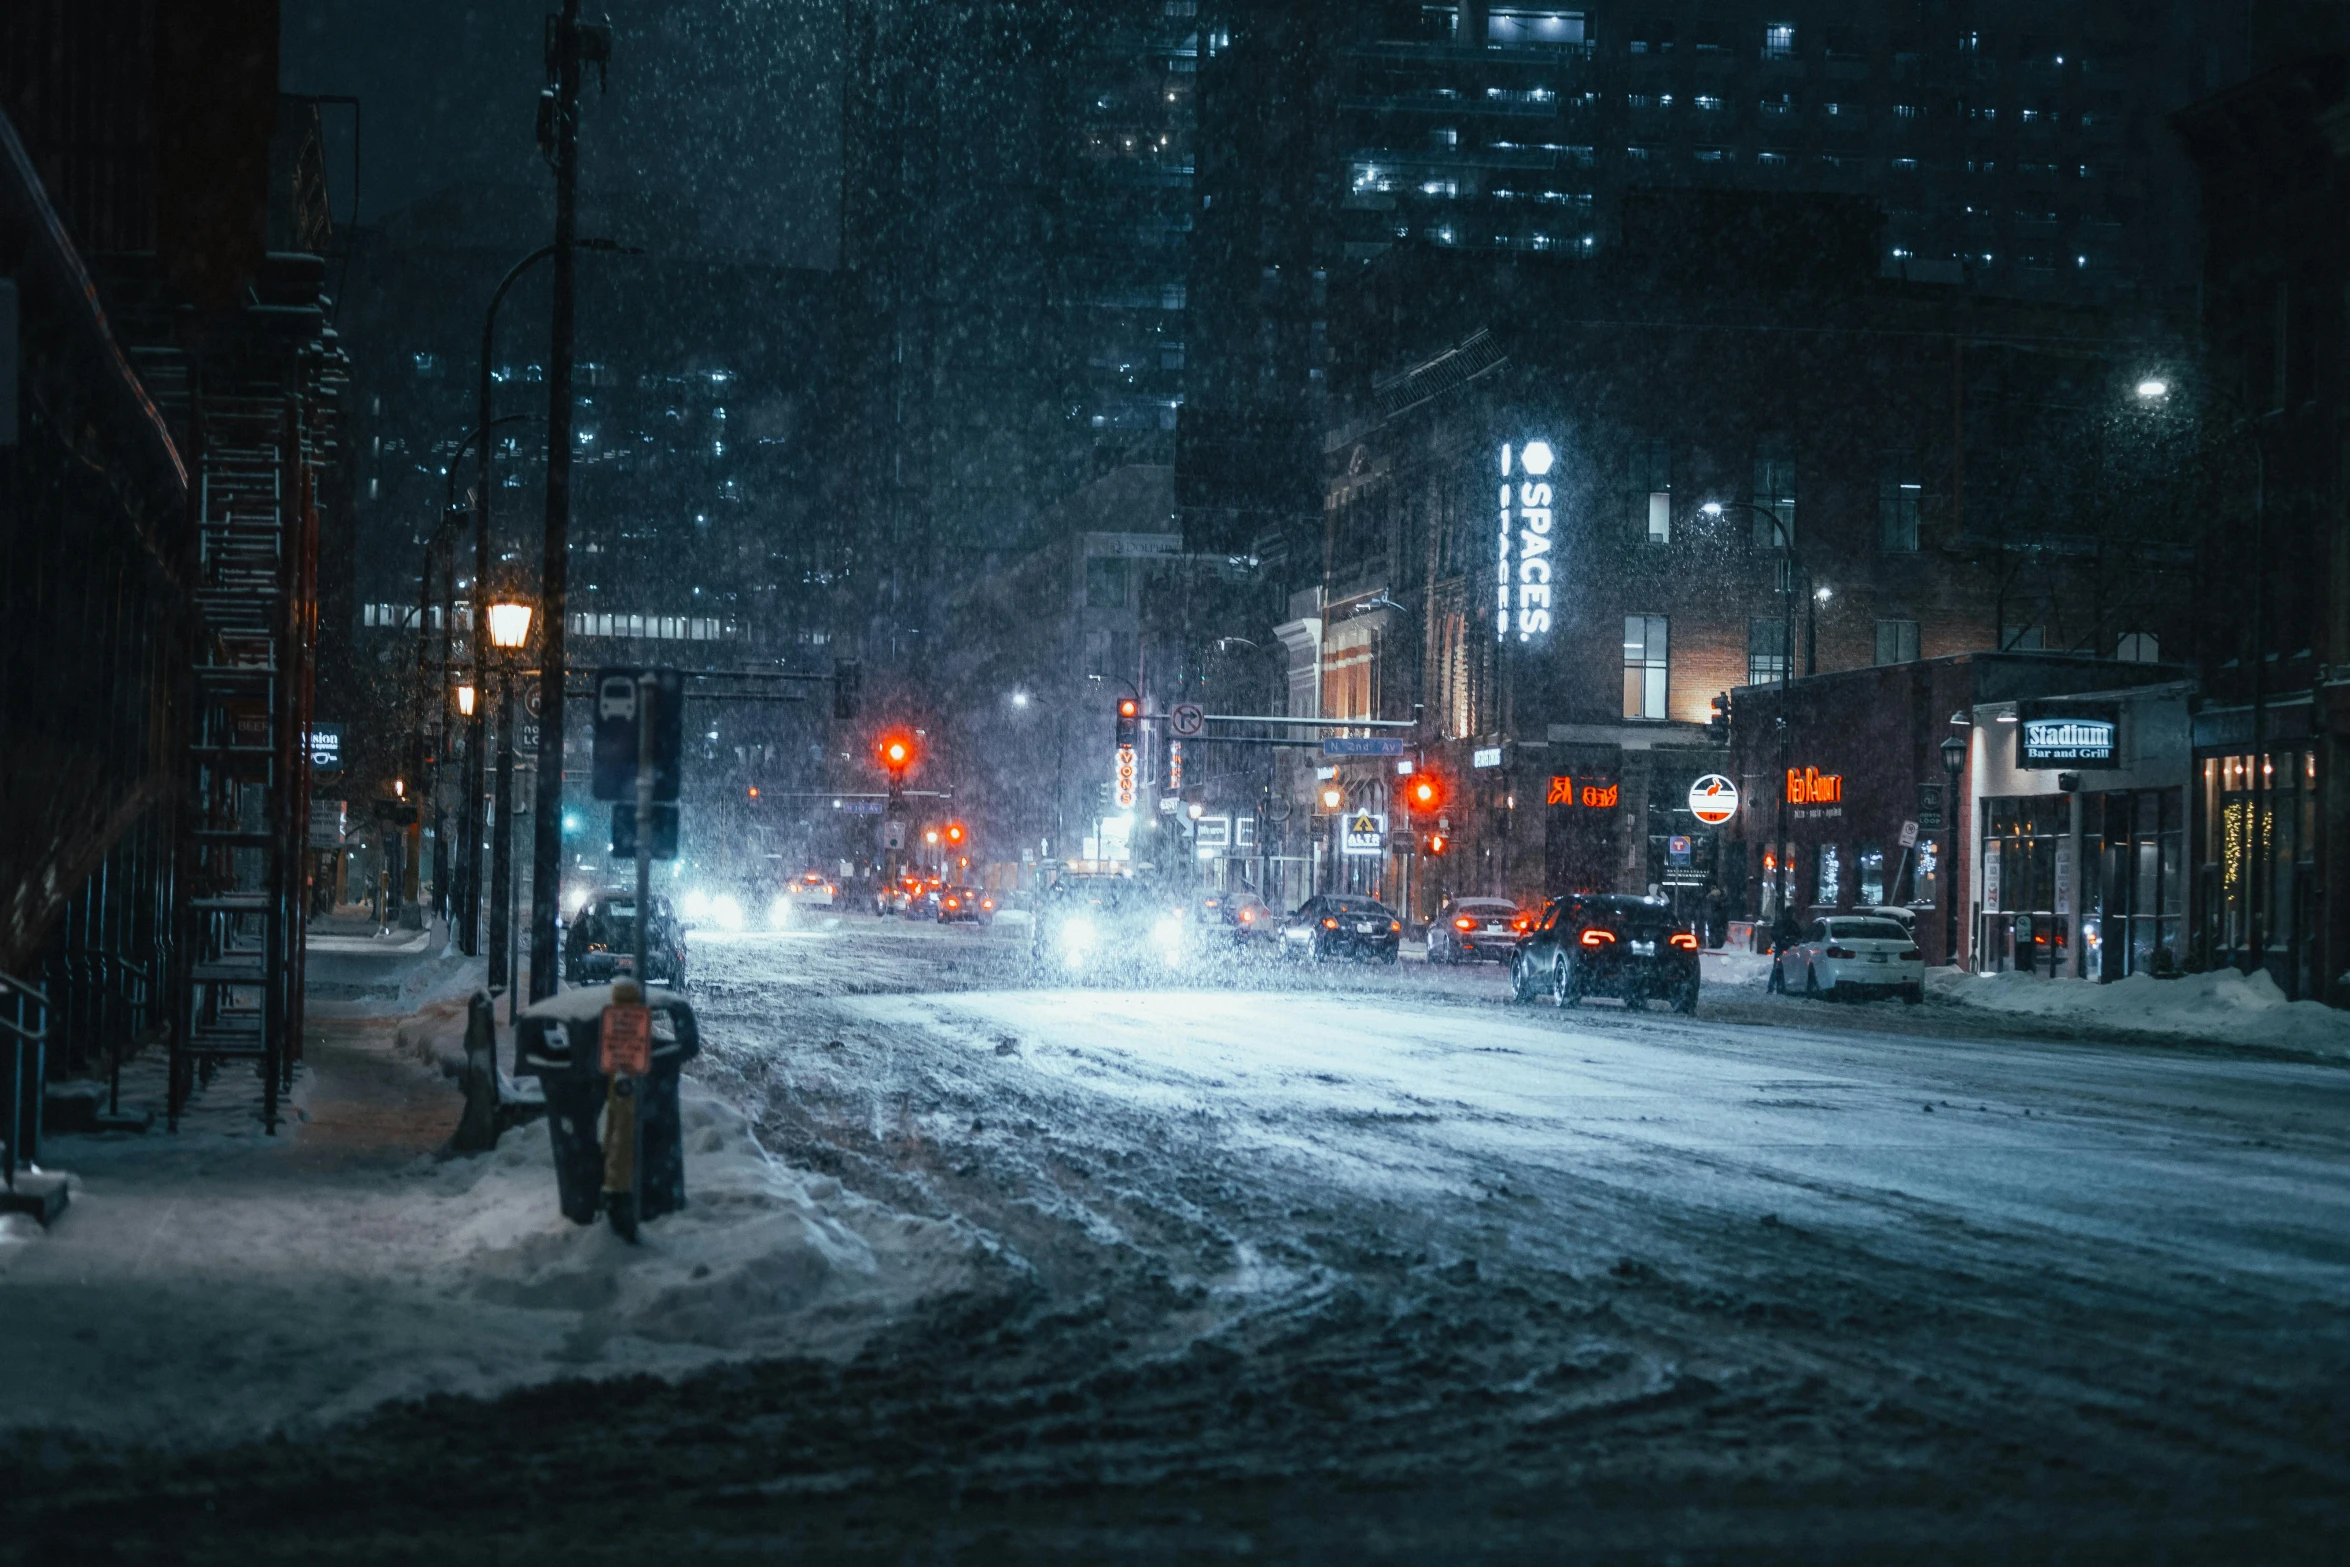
(204, 1288)
(2223, 1007)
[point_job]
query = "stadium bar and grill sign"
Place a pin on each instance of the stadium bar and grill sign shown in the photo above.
(2051, 734)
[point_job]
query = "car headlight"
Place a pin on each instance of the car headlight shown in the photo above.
(1077, 935)
(696, 905)
(727, 911)
(779, 912)
(1169, 931)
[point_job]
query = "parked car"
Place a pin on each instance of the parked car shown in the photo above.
(1342, 926)
(1854, 955)
(1607, 944)
(964, 905)
(601, 944)
(1468, 930)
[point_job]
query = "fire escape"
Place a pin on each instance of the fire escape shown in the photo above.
(262, 412)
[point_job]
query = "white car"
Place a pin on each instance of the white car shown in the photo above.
(1854, 955)
(812, 890)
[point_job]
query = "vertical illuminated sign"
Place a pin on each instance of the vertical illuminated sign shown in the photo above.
(1522, 585)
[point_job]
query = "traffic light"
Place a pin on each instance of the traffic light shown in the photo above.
(1129, 720)
(1424, 793)
(1437, 842)
(896, 752)
(955, 835)
(1717, 726)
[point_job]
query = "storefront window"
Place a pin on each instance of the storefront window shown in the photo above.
(2136, 891)
(2259, 839)
(2018, 923)
(1831, 883)
(1926, 885)
(1872, 874)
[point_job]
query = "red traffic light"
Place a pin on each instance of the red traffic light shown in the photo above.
(896, 752)
(1436, 843)
(1424, 793)
(955, 834)
(1127, 707)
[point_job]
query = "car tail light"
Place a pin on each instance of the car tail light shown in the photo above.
(1330, 924)
(830, 889)
(1464, 923)
(1841, 952)
(1685, 941)
(1520, 923)
(952, 904)
(1598, 938)
(1913, 955)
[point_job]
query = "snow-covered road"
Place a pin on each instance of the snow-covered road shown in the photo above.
(1368, 1261)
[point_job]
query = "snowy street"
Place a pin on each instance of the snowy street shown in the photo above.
(1355, 1253)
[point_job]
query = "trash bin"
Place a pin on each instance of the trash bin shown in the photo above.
(559, 1041)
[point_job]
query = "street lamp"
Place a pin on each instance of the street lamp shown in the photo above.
(1953, 762)
(509, 629)
(1794, 568)
(465, 701)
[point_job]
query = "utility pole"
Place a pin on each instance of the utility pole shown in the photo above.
(570, 46)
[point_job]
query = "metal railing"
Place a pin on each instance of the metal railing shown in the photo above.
(24, 1073)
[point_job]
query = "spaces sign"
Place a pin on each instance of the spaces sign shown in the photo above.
(2067, 735)
(1524, 602)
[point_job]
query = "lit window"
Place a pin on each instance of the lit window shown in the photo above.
(2138, 647)
(1708, 102)
(1646, 666)
(1778, 40)
(1766, 652)
(1651, 490)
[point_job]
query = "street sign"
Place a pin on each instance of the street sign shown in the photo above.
(893, 833)
(1485, 756)
(664, 845)
(1929, 821)
(1186, 719)
(626, 1040)
(860, 807)
(1713, 799)
(1677, 849)
(1909, 835)
(1359, 745)
(614, 776)
(1366, 833)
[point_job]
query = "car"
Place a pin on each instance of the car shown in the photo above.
(1469, 930)
(1231, 922)
(1854, 955)
(1606, 944)
(1342, 925)
(601, 943)
(964, 905)
(922, 897)
(892, 897)
(1111, 926)
(811, 890)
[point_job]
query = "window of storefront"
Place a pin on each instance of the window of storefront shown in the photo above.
(1830, 860)
(2136, 887)
(2019, 925)
(1871, 861)
(2259, 865)
(1766, 651)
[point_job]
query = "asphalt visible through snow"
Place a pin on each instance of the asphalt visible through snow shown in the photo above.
(1343, 1263)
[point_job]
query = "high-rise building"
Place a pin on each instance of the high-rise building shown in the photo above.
(1015, 217)
(2019, 150)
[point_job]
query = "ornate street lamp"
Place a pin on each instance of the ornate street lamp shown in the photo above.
(509, 625)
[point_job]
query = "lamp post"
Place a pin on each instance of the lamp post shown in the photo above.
(1794, 570)
(509, 628)
(2154, 390)
(1953, 762)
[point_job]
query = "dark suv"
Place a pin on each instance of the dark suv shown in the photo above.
(1607, 944)
(601, 944)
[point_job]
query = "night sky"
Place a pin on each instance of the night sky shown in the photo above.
(731, 106)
